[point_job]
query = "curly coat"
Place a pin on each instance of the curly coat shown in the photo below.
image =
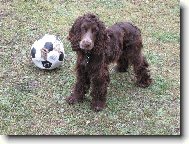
(120, 43)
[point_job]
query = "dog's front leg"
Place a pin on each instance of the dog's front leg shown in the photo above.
(99, 85)
(81, 87)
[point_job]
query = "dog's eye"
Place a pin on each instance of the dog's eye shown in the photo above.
(84, 28)
(95, 29)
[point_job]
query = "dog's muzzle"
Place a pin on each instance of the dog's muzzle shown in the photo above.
(86, 44)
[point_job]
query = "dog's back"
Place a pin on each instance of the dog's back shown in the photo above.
(121, 37)
(127, 32)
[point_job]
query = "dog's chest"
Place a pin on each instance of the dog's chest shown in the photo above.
(86, 59)
(91, 62)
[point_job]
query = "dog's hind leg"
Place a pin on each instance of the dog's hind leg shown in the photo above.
(140, 66)
(122, 63)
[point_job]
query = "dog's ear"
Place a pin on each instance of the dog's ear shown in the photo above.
(76, 27)
(74, 35)
(72, 31)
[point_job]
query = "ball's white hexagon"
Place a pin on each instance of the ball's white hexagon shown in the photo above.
(48, 52)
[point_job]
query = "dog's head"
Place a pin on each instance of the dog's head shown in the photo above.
(86, 32)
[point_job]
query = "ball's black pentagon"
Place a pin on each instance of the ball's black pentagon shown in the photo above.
(61, 56)
(33, 52)
(46, 64)
(48, 46)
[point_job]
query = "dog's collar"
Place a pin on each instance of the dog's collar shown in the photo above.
(87, 56)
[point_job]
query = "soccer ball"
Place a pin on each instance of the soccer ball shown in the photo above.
(48, 52)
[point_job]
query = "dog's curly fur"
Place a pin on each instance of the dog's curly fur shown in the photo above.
(120, 43)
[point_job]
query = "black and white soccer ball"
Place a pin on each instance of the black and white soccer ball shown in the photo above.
(48, 52)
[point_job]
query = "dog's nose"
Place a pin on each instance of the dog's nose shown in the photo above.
(87, 43)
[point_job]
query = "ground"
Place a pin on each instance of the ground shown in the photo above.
(32, 101)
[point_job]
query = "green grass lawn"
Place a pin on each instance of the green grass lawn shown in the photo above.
(32, 101)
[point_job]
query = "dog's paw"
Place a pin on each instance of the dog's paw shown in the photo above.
(72, 100)
(98, 106)
(144, 83)
(117, 69)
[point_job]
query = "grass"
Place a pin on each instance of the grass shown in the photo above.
(32, 101)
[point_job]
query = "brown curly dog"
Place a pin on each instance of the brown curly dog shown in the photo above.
(96, 47)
